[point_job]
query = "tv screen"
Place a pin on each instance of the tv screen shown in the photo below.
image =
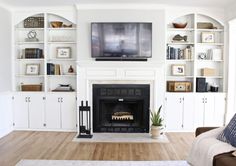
(121, 40)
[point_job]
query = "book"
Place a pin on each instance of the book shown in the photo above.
(33, 53)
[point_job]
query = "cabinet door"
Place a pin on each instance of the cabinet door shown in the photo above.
(53, 112)
(188, 112)
(209, 119)
(20, 111)
(219, 112)
(199, 110)
(174, 112)
(68, 112)
(36, 111)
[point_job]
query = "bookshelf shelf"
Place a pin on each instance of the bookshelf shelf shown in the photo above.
(180, 43)
(60, 29)
(181, 29)
(29, 59)
(210, 30)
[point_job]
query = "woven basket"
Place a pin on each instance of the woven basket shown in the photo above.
(34, 22)
(31, 87)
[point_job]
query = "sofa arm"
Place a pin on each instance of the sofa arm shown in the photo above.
(201, 130)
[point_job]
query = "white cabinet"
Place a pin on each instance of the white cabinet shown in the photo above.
(20, 111)
(210, 109)
(60, 111)
(28, 110)
(179, 111)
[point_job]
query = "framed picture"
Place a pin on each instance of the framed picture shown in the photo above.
(208, 37)
(63, 52)
(178, 70)
(32, 69)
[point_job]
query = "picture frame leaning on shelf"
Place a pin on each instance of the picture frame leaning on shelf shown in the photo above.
(208, 37)
(32, 69)
(178, 70)
(63, 52)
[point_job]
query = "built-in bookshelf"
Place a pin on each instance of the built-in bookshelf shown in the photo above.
(45, 55)
(196, 50)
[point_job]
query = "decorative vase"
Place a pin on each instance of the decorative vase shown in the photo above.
(70, 70)
(156, 131)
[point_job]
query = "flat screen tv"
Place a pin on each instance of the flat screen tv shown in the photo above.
(121, 41)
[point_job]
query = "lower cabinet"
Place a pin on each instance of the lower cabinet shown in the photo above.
(28, 111)
(187, 111)
(44, 112)
(210, 109)
(60, 111)
(179, 111)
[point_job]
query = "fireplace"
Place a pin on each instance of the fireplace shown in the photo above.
(121, 108)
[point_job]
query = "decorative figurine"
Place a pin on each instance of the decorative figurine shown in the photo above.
(32, 36)
(180, 38)
(70, 70)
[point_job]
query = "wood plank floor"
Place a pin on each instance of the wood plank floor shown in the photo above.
(59, 146)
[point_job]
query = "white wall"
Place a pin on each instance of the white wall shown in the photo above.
(5, 72)
(5, 50)
(230, 12)
(86, 16)
(5, 114)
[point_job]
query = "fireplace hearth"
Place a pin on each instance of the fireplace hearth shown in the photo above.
(121, 108)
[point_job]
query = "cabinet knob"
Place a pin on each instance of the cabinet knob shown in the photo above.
(28, 99)
(61, 100)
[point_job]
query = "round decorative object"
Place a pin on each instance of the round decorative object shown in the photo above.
(179, 25)
(56, 24)
(32, 34)
(202, 56)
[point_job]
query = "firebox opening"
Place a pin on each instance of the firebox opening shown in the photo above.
(120, 108)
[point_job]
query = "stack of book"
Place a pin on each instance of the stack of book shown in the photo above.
(53, 69)
(63, 88)
(177, 53)
(33, 53)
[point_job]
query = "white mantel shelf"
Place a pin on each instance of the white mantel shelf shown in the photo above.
(118, 64)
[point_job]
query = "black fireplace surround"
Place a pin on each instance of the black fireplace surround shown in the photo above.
(121, 108)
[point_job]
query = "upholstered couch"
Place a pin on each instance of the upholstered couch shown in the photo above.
(224, 159)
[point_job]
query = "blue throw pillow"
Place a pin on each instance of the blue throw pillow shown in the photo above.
(229, 133)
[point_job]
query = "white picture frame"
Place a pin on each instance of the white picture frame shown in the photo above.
(32, 69)
(63, 52)
(208, 37)
(178, 70)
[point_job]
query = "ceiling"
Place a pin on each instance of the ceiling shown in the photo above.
(39, 3)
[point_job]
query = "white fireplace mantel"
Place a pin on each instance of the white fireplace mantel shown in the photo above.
(121, 73)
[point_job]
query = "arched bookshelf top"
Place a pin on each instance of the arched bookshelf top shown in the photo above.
(20, 24)
(193, 19)
(50, 17)
(205, 18)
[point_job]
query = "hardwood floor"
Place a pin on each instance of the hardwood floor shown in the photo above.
(58, 145)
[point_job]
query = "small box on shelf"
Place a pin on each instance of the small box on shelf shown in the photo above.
(207, 72)
(179, 86)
